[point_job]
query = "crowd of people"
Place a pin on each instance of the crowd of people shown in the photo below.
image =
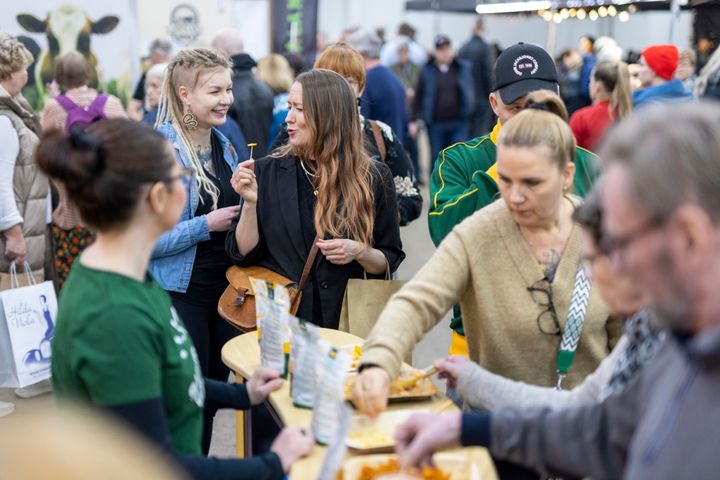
(584, 327)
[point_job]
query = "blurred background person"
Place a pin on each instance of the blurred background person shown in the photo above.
(253, 103)
(405, 34)
(384, 96)
(444, 97)
(657, 67)
(72, 73)
(154, 78)
(685, 71)
(569, 66)
(586, 44)
(708, 82)
(160, 50)
(275, 71)
(24, 189)
(612, 100)
(477, 52)
(409, 73)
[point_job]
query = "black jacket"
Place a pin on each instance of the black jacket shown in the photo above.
(253, 105)
(477, 52)
(282, 248)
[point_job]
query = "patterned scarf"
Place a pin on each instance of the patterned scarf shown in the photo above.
(642, 340)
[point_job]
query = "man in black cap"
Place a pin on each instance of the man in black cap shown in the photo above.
(444, 97)
(464, 178)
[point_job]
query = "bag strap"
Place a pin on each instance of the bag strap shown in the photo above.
(98, 103)
(308, 264)
(378, 139)
(573, 324)
(65, 102)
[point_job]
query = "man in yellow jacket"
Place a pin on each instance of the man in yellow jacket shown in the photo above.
(464, 179)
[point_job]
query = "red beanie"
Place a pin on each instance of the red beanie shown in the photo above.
(662, 59)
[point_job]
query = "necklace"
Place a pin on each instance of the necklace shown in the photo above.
(309, 175)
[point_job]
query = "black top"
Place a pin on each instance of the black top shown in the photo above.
(286, 233)
(447, 105)
(208, 281)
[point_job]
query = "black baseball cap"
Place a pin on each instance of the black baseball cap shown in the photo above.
(442, 41)
(521, 69)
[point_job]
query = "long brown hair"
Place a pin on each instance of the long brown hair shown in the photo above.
(345, 203)
(615, 78)
(185, 70)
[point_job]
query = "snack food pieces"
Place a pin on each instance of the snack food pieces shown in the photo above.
(367, 438)
(423, 389)
(391, 470)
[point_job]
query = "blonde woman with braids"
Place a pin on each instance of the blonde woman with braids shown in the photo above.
(612, 100)
(322, 187)
(189, 261)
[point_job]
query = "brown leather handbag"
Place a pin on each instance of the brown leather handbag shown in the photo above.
(237, 303)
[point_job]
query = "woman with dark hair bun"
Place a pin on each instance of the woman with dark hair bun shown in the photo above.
(119, 344)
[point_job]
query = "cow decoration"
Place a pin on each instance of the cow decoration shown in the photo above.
(67, 28)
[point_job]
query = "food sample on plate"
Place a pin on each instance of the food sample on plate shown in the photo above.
(368, 438)
(391, 470)
(399, 389)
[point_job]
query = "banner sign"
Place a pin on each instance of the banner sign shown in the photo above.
(294, 27)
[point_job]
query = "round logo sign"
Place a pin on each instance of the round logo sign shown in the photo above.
(184, 24)
(525, 64)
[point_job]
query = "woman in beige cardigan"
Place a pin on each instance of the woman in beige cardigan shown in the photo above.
(498, 264)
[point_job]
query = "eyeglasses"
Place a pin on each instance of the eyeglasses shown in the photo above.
(185, 174)
(547, 321)
(616, 245)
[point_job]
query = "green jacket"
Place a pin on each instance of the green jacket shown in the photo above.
(460, 185)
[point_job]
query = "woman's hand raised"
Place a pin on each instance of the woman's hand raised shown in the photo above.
(244, 182)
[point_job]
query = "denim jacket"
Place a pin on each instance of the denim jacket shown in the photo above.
(172, 260)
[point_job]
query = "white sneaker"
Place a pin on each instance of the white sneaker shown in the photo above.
(6, 408)
(34, 390)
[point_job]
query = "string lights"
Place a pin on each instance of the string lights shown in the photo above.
(591, 9)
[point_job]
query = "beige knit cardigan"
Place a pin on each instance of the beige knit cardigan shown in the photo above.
(486, 265)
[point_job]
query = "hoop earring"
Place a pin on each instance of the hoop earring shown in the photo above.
(189, 120)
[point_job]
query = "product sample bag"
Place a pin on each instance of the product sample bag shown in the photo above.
(304, 358)
(272, 303)
(330, 394)
(27, 325)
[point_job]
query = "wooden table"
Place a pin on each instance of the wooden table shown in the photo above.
(242, 355)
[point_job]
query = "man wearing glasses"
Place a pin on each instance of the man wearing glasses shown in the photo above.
(662, 220)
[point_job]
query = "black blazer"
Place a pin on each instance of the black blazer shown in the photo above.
(282, 249)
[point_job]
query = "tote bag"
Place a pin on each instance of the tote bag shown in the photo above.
(363, 302)
(27, 324)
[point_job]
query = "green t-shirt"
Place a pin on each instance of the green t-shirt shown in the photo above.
(120, 341)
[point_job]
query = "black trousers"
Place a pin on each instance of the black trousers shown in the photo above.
(209, 332)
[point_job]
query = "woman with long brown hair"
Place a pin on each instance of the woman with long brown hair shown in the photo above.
(321, 188)
(381, 142)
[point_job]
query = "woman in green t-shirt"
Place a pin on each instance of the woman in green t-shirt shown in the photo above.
(119, 344)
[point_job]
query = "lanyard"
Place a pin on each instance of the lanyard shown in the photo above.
(573, 325)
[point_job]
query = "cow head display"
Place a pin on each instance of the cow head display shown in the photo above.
(66, 28)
